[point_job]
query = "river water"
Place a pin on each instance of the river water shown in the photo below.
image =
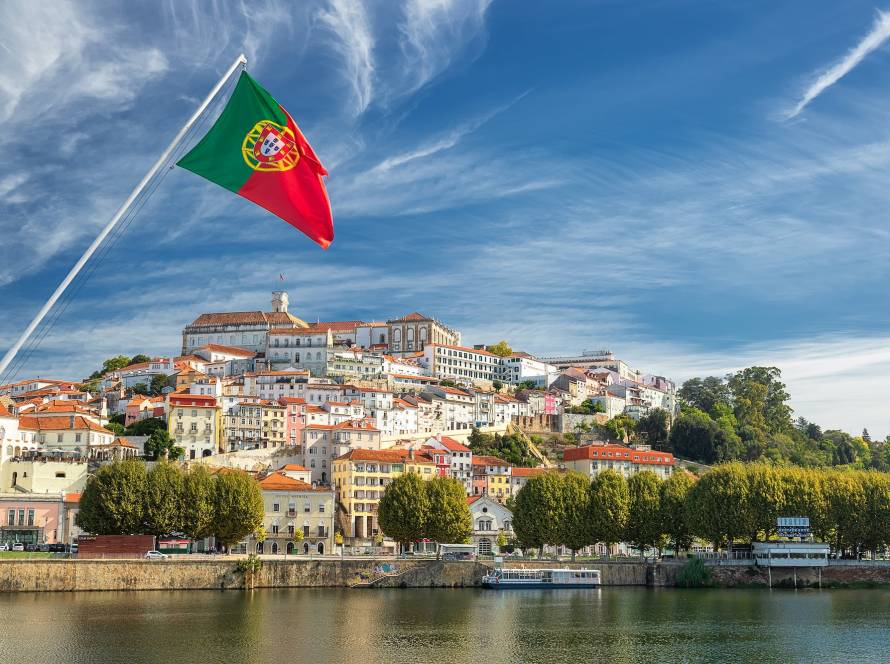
(451, 626)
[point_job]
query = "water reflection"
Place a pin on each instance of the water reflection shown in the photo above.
(451, 626)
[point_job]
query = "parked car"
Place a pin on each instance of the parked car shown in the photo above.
(32, 547)
(56, 548)
(155, 555)
(18, 546)
(4, 546)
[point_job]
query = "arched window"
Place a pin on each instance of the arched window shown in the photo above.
(306, 547)
(321, 548)
(259, 547)
(274, 547)
(397, 335)
(410, 336)
(290, 548)
(382, 338)
(318, 356)
(423, 335)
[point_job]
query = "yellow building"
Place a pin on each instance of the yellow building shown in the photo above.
(361, 476)
(291, 505)
(491, 477)
(195, 423)
(273, 424)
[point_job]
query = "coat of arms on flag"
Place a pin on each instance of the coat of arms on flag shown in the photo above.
(270, 147)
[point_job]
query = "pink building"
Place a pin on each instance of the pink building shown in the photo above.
(294, 420)
(38, 519)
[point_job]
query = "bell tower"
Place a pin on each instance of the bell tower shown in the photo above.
(279, 302)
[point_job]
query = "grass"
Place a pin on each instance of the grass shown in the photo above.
(24, 554)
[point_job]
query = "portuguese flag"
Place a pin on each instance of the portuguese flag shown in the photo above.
(256, 150)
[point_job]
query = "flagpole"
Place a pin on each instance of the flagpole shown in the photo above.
(121, 211)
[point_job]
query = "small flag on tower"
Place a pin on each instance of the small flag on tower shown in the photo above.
(256, 150)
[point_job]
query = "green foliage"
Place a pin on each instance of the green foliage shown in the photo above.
(644, 527)
(694, 574)
(675, 520)
(158, 383)
(512, 447)
(238, 507)
(501, 349)
(109, 365)
(161, 446)
(621, 427)
(527, 385)
(497, 385)
(138, 359)
(118, 418)
(718, 504)
(140, 388)
(655, 428)
(250, 565)
(114, 427)
(198, 502)
(539, 512)
(575, 528)
(589, 407)
(146, 427)
(113, 500)
(608, 507)
(163, 500)
(697, 437)
(447, 383)
(404, 509)
(449, 519)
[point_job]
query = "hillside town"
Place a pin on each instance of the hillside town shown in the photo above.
(324, 415)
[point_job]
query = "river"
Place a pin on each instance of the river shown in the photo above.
(450, 626)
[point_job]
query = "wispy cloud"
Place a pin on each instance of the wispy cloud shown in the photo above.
(347, 25)
(434, 33)
(876, 37)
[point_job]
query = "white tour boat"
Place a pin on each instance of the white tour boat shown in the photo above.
(542, 578)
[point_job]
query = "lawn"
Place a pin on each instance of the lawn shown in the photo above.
(24, 554)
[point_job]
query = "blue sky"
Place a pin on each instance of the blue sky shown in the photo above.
(698, 186)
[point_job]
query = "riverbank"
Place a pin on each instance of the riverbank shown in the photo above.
(223, 573)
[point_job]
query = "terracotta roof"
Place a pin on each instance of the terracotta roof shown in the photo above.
(192, 399)
(472, 499)
(618, 453)
(414, 315)
(4, 411)
(72, 497)
(392, 455)
(229, 350)
(291, 400)
(452, 445)
(488, 461)
(428, 379)
(247, 318)
(60, 423)
(293, 466)
(527, 472)
(123, 442)
(278, 481)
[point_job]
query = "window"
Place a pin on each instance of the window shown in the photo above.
(10, 518)
(307, 506)
(30, 517)
(321, 508)
(274, 528)
(276, 507)
(21, 517)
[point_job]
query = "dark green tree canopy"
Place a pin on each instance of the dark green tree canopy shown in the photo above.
(449, 520)
(404, 509)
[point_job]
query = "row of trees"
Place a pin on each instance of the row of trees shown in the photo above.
(412, 509)
(124, 498)
(732, 503)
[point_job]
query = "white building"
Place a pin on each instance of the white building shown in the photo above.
(460, 363)
(522, 367)
(490, 519)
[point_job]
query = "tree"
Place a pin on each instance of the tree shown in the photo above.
(497, 385)
(761, 399)
(539, 514)
(115, 428)
(161, 446)
(158, 383)
(608, 507)
(718, 505)
(449, 519)
(238, 507)
(146, 427)
(845, 509)
(501, 541)
(644, 526)
(138, 359)
(766, 498)
(113, 501)
(501, 349)
(674, 516)
(621, 427)
(198, 498)
(655, 428)
(704, 393)
(140, 388)
(109, 365)
(866, 436)
(163, 500)
(403, 509)
(576, 507)
(697, 437)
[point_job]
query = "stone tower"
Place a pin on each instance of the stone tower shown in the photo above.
(279, 302)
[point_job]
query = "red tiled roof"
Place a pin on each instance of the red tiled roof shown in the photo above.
(72, 497)
(489, 461)
(294, 467)
(248, 318)
(229, 350)
(186, 399)
(414, 315)
(452, 445)
(392, 455)
(60, 423)
(618, 453)
(527, 472)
